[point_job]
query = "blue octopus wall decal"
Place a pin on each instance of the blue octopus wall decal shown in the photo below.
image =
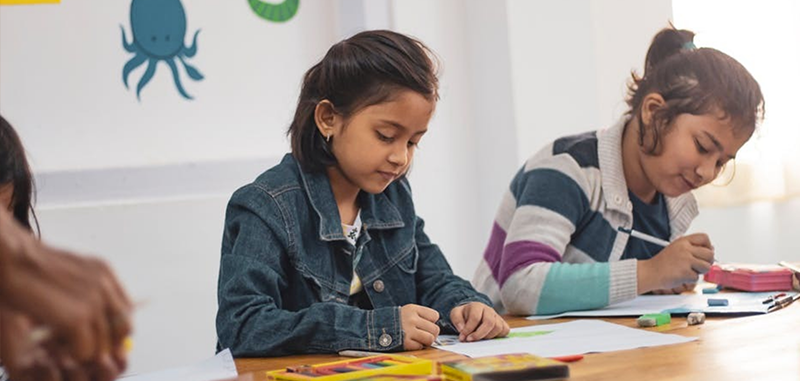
(159, 30)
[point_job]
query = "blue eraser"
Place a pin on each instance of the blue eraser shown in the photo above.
(717, 302)
(711, 290)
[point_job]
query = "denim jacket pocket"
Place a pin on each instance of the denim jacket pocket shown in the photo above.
(408, 262)
(322, 290)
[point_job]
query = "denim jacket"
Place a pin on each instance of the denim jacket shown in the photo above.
(286, 268)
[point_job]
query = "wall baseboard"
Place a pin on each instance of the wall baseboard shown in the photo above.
(66, 189)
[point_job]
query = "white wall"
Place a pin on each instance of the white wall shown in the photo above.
(571, 60)
(144, 184)
(763, 232)
(464, 156)
(167, 254)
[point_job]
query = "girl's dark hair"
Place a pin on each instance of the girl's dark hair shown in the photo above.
(692, 81)
(14, 170)
(363, 70)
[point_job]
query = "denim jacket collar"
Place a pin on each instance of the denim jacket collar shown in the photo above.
(377, 211)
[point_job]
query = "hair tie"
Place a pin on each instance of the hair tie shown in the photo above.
(689, 45)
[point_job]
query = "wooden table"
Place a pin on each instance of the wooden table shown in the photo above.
(761, 347)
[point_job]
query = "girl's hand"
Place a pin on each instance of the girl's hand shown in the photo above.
(29, 360)
(419, 326)
(679, 263)
(477, 321)
(24, 360)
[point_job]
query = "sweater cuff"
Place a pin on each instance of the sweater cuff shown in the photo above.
(622, 282)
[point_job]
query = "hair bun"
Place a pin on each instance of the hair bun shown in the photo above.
(667, 42)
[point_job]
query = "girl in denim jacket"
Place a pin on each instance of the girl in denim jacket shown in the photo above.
(325, 252)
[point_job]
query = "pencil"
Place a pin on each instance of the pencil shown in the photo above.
(649, 238)
(644, 237)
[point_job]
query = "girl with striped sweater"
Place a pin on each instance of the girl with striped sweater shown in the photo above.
(555, 244)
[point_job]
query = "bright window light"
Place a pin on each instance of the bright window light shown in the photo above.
(765, 37)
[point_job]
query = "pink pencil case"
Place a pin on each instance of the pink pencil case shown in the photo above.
(748, 277)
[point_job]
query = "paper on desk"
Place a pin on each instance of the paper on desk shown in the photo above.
(219, 367)
(738, 303)
(575, 337)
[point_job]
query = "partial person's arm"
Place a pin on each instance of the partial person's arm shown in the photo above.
(27, 359)
(77, 299)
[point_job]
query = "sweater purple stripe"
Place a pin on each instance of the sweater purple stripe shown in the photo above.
(494, 250)
(521, 254)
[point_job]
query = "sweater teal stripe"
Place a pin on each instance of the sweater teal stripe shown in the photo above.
(571, 287)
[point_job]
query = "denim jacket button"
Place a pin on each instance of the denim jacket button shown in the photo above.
(378, 285)
(385, 340)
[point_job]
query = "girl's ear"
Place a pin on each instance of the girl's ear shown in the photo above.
(650, 104)
(327, 119)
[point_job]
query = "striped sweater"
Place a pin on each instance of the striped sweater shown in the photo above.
(554, 246)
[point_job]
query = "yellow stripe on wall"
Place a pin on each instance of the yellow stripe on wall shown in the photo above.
(23, 2)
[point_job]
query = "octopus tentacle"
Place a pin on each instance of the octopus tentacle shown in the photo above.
(190, 51)
(177, 79)
(129, 47)
(191, 70)
(132, 64)
(151, 69)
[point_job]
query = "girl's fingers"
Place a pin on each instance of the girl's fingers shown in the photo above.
(487, 325)
(474, 317)
(427, 326)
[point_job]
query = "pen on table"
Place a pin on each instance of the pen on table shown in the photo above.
(782, 303)
(785, 300)
(772, 298)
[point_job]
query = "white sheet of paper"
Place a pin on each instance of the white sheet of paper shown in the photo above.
(575, 337)
(738, 303)
(219, 367)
